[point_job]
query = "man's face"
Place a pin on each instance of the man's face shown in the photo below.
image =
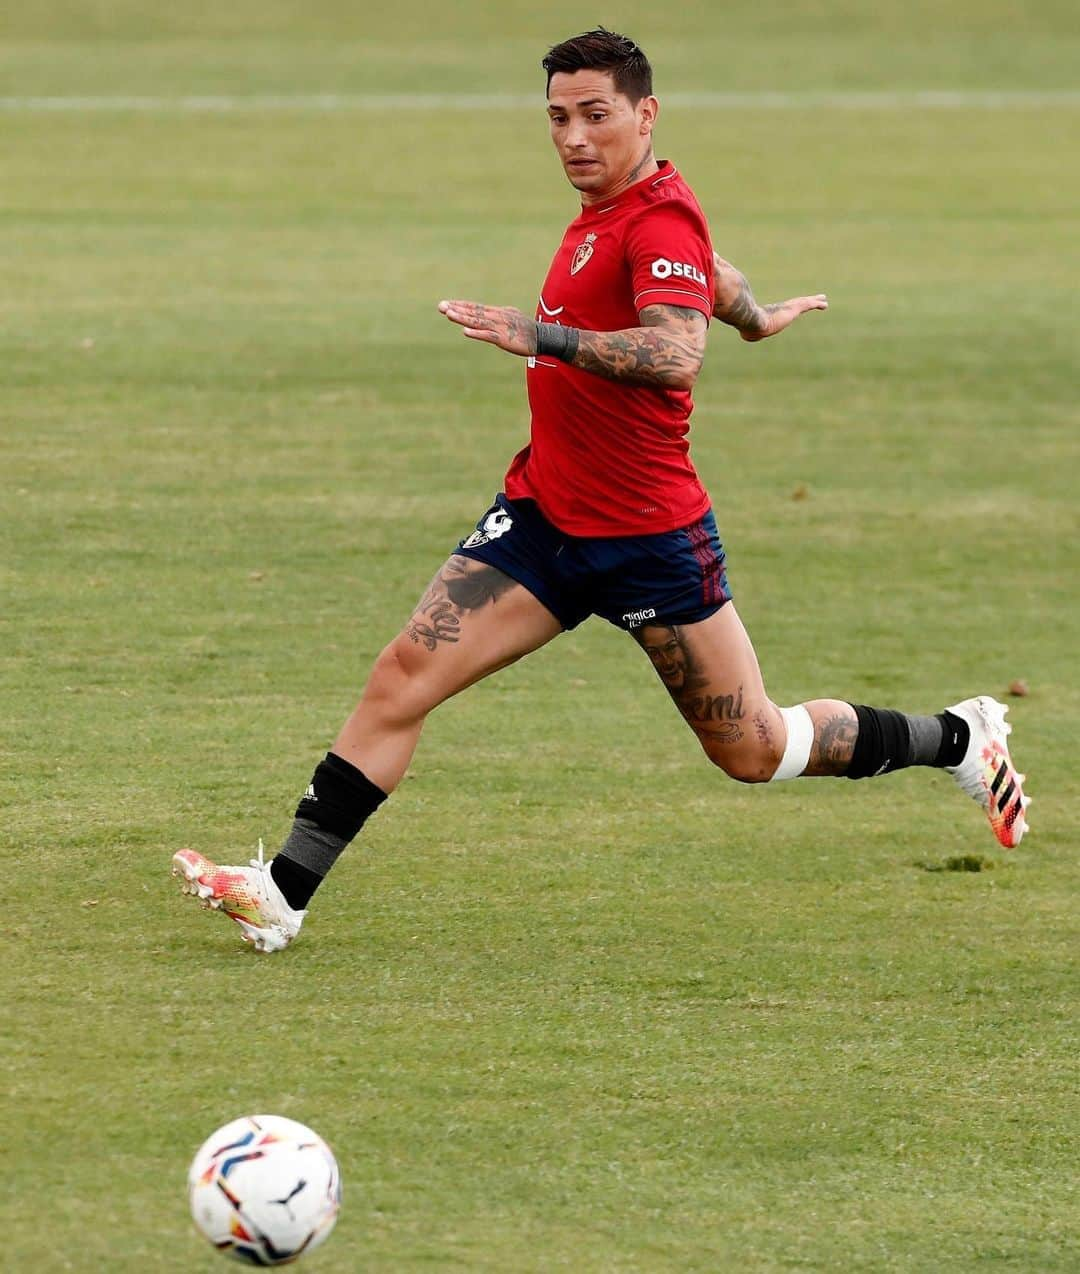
(663, 647)
(599, 133)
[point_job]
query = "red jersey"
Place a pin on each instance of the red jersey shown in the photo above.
(607, 457)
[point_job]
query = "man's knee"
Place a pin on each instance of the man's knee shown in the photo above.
(398, 685)
(755, 762)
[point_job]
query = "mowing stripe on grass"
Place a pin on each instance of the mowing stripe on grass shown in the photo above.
(259, 102)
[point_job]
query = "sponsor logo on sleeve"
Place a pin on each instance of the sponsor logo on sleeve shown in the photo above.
(635, 618)
(662, 268)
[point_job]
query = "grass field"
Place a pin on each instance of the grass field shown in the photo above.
(576, 1002)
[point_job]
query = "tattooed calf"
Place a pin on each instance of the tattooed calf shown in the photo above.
(834, 744)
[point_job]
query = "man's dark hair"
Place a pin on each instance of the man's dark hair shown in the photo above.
(603, 50)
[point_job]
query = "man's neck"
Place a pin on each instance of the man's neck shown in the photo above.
(644, 167)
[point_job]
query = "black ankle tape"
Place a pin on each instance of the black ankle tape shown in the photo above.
(340, 798)
(883, 743)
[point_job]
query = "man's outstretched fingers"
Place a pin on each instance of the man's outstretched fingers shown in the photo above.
(465, 313)
(500, 325)
(783, 313)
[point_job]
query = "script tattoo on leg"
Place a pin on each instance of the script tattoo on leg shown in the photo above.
(434, 619)
(462, 585)
(715, 717)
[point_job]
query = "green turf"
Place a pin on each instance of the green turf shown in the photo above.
(579, 1002)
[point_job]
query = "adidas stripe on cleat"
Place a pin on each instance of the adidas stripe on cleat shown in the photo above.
(987, 773)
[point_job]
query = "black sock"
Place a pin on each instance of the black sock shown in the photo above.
(295, 881)
(338, 802)
(889, 741)
(882, 745)
(955, 737)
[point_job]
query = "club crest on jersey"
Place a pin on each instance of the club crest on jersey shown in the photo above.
(583, 254)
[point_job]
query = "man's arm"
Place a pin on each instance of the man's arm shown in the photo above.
(666, 351)
(734, 304)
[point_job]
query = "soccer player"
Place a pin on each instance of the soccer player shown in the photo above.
(603, 514)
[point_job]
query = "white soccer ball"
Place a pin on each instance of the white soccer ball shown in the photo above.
(264, 1189)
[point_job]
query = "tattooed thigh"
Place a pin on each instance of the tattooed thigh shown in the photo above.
(460, 587)
(714, 717)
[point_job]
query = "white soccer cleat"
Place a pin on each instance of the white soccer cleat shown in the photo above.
(987, 773)
(248, 895)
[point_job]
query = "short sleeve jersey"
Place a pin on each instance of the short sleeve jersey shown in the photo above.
(606, 457)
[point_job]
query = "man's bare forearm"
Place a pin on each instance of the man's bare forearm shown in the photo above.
(666, 352)
(639, 356)
(738, 308)
(735, 305)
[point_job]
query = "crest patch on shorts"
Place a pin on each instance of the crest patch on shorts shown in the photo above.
(495, 524)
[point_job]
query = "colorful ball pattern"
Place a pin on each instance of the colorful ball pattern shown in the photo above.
(264, 1189)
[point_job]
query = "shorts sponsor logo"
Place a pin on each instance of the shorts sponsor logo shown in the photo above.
(635, 618)
(662, 268)
(495, 523)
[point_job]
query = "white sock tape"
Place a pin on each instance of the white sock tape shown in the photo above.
(800, 737)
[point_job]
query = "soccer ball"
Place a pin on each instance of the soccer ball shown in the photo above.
(264, 1189)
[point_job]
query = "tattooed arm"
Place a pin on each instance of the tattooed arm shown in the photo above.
(666, 350)
(734, 305)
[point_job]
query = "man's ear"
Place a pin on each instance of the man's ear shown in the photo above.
(649, 108)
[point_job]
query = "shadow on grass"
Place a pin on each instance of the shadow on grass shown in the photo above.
(959, 862)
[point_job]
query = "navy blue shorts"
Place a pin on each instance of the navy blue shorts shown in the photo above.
(676, 577)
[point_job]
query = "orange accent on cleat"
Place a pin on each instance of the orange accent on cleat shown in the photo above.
(247, 895)
(987, 773)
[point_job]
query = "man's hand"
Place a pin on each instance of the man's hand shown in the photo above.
(499, 325)
(780, 314)
(734, 304)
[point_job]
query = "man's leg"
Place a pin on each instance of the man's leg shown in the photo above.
(712, 673)
(472, 620)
